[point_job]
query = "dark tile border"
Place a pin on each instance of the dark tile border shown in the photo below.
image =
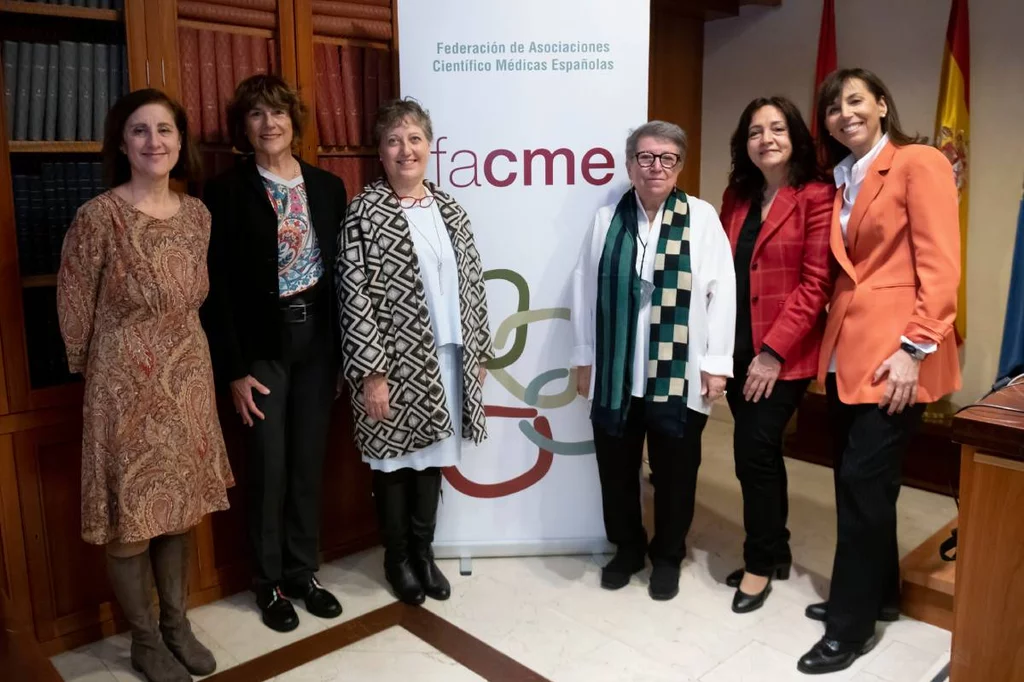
(457, 644)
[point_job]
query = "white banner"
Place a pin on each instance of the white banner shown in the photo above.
(531, 103)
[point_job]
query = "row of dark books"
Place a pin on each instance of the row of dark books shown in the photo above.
(94, 4)
(47, 359)
(45, 205)
(212, 64)
(351, 84)
(61, 92)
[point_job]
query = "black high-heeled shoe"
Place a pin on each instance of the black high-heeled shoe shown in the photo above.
(781, 572)
(745, 603)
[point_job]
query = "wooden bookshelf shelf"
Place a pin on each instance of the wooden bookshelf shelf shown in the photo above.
(346, 151)
(357, 42)
(31, 147)
(226, 28)
(14, 7)
(39, 281)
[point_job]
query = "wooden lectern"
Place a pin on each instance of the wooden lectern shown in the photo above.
(988, 606)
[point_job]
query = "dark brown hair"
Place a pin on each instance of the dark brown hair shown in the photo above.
(116, 169)
(833, 151)
(268, 90)
(392, 113)
(745, 178)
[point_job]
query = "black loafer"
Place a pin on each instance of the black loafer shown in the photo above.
(319, 601)
(616, 573)
(829, 656)
(278, 613)
(887, 614)
(745, 603)
(781, 572)
(664, 582)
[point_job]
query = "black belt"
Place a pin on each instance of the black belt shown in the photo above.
(299, 308)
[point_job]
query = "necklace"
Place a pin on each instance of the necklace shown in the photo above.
(440, 244)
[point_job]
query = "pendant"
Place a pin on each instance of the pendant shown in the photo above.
(440, 282)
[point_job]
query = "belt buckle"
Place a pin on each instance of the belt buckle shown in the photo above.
(299, 306)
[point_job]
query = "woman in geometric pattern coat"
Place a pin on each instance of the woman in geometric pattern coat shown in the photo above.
(415, 339)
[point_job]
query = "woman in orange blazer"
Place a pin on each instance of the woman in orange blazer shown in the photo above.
(777, 213)
(888, 347)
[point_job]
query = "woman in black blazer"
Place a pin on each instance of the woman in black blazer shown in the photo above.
(272, 327)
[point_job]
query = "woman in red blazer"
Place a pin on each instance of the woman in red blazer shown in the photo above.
(777, 212)
(888, 347)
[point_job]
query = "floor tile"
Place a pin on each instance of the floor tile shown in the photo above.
(81, 665)
(902, 663)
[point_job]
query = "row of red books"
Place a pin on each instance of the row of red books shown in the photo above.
(368, 19)
(212, 64)
(351, 84)
(355, 171)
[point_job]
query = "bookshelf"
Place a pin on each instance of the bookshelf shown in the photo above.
(64, 601)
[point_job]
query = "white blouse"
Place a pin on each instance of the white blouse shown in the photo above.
(439, 272)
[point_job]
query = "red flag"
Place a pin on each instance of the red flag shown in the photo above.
(827, 61)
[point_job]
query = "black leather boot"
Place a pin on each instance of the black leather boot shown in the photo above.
(426, 493)
(391, 494)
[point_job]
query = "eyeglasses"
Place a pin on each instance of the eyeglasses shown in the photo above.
(668, 159)
(412, 202)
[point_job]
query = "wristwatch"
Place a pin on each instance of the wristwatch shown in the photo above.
(913, 351)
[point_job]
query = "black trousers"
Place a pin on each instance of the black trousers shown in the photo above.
(285, 454)
(674, 462)
(869, 446)
(760, 468)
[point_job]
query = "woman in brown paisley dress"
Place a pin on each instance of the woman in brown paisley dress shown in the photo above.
(132, 278)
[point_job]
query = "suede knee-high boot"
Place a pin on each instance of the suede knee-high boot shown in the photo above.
(132, 580)
(169, 554)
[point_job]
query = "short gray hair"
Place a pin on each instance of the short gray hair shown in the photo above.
(392, 114)
(661, 130)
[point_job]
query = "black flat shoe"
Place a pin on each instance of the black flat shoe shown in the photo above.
(664, 582)
(616, 573)
(829, 656)
(745, 603)
(278, 613)
(781, 572)
(887, 614)
(319, 601)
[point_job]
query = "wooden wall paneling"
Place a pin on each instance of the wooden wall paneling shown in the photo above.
(286, 41)
(348, 520)
(15, 606)
(675, 81)
(68, 583)
(306, 77)
(135, 31)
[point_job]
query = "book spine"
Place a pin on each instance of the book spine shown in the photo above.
(208, 86)
(37, 98)
(52, 232)
(10, 59)
(351, 79)
(272, 56)
(67, 107)
(100, 94)
(225, 79)
(52, 90)
(60, 173)
(241, 57)
(125, 86)
(85, 53)
(71, 190)
(85, 189)
(384, 79)
(188, 47)
(22, 224)
(324, 115)
(114, 84)
(24, 91)
(370, 87)
(37, 225)
(258, 54)
(336, 93)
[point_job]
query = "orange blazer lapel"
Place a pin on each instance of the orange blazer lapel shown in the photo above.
(868, 191)
(836, 238)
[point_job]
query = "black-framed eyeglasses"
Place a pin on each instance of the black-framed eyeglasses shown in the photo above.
(668, 159)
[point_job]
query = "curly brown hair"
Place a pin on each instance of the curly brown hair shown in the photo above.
(268, 90)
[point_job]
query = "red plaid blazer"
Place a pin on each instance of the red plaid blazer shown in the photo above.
(790, 280)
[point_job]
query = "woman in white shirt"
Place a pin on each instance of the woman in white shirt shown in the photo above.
(415, 338)
(654, 307)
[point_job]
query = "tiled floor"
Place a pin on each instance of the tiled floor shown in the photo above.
(549, 614)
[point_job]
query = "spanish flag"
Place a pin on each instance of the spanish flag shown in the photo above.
(953, 132)
(827, 60)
